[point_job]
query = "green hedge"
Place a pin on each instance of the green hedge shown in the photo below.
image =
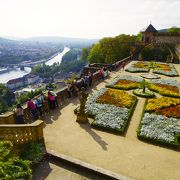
(144, 95)
(121, 88)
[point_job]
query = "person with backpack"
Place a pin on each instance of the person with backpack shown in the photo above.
(39, 103)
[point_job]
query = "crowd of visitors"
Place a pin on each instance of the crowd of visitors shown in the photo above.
(36, 106)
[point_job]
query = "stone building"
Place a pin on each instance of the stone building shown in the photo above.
(151, 35)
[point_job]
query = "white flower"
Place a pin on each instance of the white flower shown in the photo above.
(159, 127)
(106, 115)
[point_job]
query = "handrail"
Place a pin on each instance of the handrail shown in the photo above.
(22, 133)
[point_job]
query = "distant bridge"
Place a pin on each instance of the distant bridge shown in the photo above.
(25, 64)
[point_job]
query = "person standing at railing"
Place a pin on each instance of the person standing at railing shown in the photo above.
(51, 99)
(45, 103)
(32, 107)
(90, 78)
(39, 103)
(70, 89)
(123, 65)
(56, 98)
(19, 114)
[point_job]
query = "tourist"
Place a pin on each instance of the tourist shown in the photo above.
(101, 74)
(90, 76)
(69, 89)
(32, 107)
(19, 114)
(56, 98)
(39, 103)
(75, 88)
(123, 65)
(105, 72)
(45, 106)
(51, 99)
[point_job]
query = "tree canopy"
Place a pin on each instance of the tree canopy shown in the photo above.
(174, 30)
(110, 49)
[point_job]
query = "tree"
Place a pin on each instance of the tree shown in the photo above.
(174, 30)
(110, 50)
(96, 54)
(85, 54)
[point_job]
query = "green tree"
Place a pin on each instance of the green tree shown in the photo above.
(110, 50)
(174, 30)
(85, 54)
(96, 54)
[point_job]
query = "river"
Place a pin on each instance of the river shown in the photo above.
(17, 73)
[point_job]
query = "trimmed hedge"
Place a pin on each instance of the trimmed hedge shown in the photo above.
(145, 95)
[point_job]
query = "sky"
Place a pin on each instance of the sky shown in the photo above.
(85, 18)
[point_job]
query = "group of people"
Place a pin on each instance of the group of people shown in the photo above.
(103, 73)
(74, 87)
(36, 107)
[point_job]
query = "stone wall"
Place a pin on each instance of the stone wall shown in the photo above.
(167, 39)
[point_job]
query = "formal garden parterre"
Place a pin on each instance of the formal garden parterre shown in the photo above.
(158, 68)
(112, 107)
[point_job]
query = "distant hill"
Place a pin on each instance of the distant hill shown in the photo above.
(7, 41)
(163, 30)
(64, 41)
(172, 29)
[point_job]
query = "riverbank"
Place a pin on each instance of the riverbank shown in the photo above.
(17, 73)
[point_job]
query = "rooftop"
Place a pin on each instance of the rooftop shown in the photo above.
(150, 28)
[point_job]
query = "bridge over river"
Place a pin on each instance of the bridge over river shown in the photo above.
(25, 64)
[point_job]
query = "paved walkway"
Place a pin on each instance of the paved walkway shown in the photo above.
(124, 155)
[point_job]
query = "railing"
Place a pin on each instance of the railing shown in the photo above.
(7, 118)
(24, 133)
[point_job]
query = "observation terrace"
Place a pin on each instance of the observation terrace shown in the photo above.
(120, 157)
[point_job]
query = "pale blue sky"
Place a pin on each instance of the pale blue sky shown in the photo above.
(85, 18)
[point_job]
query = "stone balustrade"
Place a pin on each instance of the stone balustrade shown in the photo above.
(22, 133)
(7, 118)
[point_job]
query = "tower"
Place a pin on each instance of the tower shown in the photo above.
(148, 36)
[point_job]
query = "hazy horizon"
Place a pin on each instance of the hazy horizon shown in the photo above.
(89, 19)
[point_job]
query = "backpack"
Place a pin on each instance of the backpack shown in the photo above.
(38, 103)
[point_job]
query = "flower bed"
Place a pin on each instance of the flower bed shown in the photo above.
(165, 69)
(158, 68)
(160, 121)
(109, 112)
(166, 87)
(138, 66)
(125, 82)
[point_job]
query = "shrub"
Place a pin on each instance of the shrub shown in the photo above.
(11, 166)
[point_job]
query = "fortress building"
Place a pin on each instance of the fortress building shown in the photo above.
(151, 35)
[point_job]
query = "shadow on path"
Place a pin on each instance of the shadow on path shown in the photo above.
(51, 117)
(95, 136)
